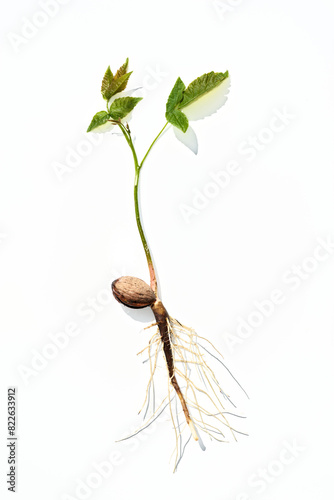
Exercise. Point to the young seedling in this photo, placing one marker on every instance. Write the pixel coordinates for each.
(200, 394)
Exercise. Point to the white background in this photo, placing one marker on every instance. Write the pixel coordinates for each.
(64, 241)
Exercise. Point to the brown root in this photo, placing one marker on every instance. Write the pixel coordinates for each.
(190, 378)
(162, 320)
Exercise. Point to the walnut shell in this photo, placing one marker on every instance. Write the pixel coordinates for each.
(133, 292)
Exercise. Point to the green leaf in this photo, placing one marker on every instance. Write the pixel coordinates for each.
(120, 72)
(175, 97)
(201, 86)
(173, 115)
(106, 84)
(122, 107)
(119, 84)
(111, 84)
(99, 119)
(178, 119)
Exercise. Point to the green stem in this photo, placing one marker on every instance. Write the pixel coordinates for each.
(127, 135)
(155, 140)
(153, 279)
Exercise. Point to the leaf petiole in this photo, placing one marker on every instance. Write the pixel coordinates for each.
(127, 135)
(151, 146)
